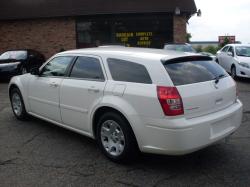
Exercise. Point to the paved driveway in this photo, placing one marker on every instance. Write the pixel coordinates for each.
(36, 153)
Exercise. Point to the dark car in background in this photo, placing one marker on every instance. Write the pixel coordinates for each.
(182, 47)
(16, 62)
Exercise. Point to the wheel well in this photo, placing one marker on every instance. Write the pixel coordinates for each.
(232, 66)
(99, 112)
(12, 87)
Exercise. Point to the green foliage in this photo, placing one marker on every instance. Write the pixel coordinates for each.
(199, 48)
(211, 49)
(226, 41)
(188, 37)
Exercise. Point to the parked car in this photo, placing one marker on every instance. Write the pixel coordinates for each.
(235, 59)
(209, 54)
(131, 99)
(17, 62)
(182, 47)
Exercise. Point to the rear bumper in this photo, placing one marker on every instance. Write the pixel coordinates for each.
(182, 136)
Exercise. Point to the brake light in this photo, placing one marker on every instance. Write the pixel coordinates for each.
(170, 101)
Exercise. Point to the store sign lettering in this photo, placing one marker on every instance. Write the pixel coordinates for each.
(143, 39)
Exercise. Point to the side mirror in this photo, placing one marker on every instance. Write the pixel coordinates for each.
(35, 71)
(230, 54)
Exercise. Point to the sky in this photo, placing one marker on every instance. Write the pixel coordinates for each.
(221, 17)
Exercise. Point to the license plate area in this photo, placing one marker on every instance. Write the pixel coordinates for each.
(221, 127)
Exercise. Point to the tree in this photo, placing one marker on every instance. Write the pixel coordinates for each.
(188, 37)
(210, 49)
(225, 42)
(199, 48)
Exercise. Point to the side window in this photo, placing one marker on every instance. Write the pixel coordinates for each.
(57, 67)
(5, 56)
(126, 71)
(87, 68)
(225, 49)
(231, 49)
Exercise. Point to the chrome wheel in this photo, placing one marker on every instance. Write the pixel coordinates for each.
(17, 104)
(112, 138)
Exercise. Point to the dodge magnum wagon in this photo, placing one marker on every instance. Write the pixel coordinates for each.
(132, 99)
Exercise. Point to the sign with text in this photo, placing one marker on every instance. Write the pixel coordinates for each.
(140, 39)
(230, 38)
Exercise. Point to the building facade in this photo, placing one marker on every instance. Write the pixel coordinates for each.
(49, 26)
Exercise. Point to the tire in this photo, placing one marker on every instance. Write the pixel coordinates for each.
(116, 138)
(17, 104)
(233, 72)
(23, 70)
(217, 61)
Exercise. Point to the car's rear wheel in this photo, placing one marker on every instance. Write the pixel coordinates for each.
(115, 138)
(233, 72)
(17, 104)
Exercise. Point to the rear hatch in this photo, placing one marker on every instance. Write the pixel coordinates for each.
(203, 85)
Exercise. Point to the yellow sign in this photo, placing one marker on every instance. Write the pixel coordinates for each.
(143, 39)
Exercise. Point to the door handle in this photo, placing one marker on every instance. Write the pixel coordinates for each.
(95, 90)
(53, 84)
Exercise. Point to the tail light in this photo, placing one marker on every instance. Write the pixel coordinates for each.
(170, 101)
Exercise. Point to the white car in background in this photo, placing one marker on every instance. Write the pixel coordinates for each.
(131, 99)
(235, 59)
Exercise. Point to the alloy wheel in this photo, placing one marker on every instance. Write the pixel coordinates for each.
(17, 104)
(112, 138)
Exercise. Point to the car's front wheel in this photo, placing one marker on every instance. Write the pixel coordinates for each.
(18, 104)
(115, 138)
(233, 72)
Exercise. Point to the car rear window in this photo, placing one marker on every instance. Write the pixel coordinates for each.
(189, 72)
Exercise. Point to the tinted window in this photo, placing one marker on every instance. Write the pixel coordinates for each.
(225, 49)
(193, 72)
(16, 55)
(122, 70)
(57, 66)
(87, 68)
(231, 50)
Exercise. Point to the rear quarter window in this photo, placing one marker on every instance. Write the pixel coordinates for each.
(126, 71)
(190, 72)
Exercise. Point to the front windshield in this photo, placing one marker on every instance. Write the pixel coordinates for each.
(243, 51)
(16, 55)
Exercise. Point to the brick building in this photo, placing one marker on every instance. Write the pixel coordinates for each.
(49, 26)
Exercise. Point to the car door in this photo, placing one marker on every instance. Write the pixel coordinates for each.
(43, 90)
(222, 56)
(228, 59)
(82, 91)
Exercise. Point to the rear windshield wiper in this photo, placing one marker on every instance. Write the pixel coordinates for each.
(217, 79)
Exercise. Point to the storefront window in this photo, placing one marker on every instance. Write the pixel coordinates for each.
(130, 30)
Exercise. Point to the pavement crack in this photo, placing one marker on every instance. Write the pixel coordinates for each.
(32, 138)
(127, 183)
(8, 162)
(159, 182)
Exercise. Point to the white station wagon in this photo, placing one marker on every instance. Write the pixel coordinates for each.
(132, 99)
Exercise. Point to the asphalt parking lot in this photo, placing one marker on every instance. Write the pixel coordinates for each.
(36, 153)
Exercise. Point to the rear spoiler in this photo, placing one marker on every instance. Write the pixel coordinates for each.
(186, 59)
